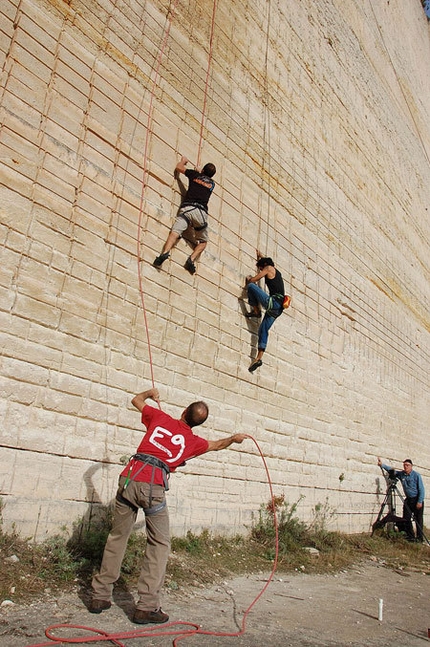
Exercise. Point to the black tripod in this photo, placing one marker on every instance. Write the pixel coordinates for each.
(390, 503)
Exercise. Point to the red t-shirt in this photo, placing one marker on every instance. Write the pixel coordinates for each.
(168, 439)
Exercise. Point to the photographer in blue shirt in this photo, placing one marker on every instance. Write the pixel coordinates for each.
(413, 504)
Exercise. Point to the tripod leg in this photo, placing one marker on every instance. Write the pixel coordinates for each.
(391, 517)
(379, 523)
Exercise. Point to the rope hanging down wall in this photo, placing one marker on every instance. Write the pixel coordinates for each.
(155, 82)
(401, 85)
(145, 176)
(266, 169)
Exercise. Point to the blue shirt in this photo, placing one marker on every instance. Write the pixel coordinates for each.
(413, 485)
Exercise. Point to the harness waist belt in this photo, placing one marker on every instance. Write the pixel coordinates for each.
(147, 459)
(194, 204)
(272, 311)
(152, 460)
(278, 297)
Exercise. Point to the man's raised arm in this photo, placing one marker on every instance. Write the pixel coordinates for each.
(139, 399)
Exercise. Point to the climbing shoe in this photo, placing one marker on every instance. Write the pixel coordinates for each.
(160, 259)
(251, 315)
(255, 365)
(190, 266)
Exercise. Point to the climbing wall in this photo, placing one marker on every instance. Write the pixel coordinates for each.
(317, 116)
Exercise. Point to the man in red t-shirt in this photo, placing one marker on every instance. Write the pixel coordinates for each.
(166, 445)
(192, 220)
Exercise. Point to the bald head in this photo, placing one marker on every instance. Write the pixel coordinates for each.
(195, 414)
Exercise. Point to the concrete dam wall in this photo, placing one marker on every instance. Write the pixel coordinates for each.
(317, 117)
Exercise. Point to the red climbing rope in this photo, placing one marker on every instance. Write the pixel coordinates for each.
(145, 175)
(146, 149)
(167, 629)
(205, 95)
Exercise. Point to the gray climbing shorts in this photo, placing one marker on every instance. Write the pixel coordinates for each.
(191, 224)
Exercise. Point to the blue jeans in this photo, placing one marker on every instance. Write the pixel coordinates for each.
(257, 296)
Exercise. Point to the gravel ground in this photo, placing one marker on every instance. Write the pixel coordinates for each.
(297, 610)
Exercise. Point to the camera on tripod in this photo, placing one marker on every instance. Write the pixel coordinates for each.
(392, 477)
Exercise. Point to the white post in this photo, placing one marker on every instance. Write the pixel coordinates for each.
(380, 607)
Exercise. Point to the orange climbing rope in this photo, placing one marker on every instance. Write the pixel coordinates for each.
(266, 171)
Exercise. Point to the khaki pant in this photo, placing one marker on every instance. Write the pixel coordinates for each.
(157, 547)
(192, 226)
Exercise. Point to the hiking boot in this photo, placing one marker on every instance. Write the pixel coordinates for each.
(160, 259)
(97, 606)
(145, 617)
(190, 266)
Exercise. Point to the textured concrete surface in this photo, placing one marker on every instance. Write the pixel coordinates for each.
(317, 118)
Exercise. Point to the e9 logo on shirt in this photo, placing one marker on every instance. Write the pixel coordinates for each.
(165, 441)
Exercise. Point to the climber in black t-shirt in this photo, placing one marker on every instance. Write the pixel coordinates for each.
(274, 302)
(191, 220)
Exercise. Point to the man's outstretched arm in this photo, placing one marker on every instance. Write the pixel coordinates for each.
(216, 445)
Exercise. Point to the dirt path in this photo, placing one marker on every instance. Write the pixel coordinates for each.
(296, 610)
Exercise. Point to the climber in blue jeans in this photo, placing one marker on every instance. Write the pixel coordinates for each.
(274, 302)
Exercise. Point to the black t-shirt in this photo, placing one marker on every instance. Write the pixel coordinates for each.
(275, 285)
(200, 188)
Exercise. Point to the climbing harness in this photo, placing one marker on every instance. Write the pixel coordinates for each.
(188, 208)
(280, 300)
(147, 459)
(194, 205)
(156, 463)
